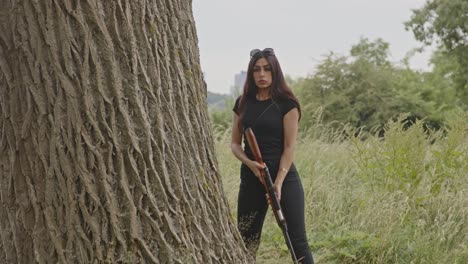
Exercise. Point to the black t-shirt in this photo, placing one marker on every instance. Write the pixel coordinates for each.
(266, 120)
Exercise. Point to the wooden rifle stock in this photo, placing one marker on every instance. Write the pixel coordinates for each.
(268, 185)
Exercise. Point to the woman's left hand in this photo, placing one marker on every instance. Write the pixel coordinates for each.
(277, 187)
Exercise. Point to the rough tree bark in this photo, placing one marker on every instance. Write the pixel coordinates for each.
(106, 153)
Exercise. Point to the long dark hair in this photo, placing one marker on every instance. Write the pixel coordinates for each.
(279, 89)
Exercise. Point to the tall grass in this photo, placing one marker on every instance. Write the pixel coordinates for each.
(402, 198)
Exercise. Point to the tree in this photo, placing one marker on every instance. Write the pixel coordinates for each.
(356, 90)
(445, 23)
(366, 90)
(373, 52)
(106, 153)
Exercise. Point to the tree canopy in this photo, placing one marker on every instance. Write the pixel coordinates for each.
(445, 23)
(365, 89)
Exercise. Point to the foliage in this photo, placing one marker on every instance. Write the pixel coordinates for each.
(375, 53)
(356, 90)
(445, 22)
(396, 161)
(221, 119)
(346, 246)
(401, 198)
(445, 19)
(451, 156)
(365, 90)
(426, 95)
(400, 161)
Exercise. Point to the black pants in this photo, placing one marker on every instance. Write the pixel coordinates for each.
(252, 207)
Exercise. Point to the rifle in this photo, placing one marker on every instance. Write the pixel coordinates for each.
(268, 184)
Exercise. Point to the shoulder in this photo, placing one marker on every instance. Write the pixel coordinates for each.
(287, 105)
(236, 105)
(238, 99)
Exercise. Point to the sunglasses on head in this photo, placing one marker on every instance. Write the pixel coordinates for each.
(266, 51)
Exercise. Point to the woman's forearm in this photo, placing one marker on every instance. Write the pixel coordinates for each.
(239, 153)
(285, 164)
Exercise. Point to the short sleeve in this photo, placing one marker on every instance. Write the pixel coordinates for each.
(236, 106)
(287, 106)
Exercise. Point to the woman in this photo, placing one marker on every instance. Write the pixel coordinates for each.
(268, 106)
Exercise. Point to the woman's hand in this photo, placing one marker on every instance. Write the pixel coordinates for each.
(256, 168)
(277, 187)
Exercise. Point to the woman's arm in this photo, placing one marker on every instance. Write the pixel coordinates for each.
(290, 127)
(236, 147)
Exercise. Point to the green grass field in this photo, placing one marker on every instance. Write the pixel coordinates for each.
(398, 199)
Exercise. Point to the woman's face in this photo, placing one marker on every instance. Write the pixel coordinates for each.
(262, 74)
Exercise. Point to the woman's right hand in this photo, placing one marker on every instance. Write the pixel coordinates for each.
(256, 168)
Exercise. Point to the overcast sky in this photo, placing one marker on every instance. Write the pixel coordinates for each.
(300, 31)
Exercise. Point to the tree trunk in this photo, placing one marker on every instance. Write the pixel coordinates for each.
(106, 152)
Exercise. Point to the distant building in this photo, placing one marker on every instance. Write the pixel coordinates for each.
(239, 80)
